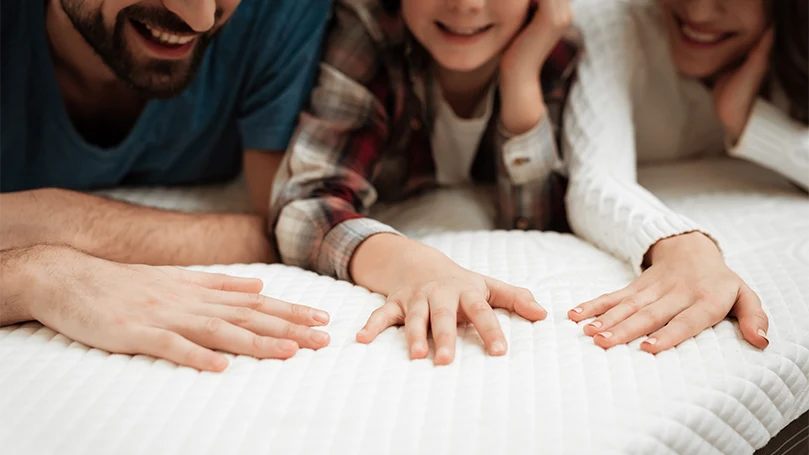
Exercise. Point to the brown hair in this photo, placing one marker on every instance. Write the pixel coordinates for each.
(790, 54)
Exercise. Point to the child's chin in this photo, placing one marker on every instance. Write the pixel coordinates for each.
(460, 65)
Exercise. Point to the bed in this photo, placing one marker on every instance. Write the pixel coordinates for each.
(555, 392)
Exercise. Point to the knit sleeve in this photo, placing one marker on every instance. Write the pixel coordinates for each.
(605, 204)
(775, 141)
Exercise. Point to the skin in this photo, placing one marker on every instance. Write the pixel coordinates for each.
(688, 286)
(82, 263)
(424, 288)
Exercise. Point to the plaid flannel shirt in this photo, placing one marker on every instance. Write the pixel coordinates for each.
(365, 136)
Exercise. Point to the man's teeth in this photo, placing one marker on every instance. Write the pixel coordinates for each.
(700, 37)
(168, 38)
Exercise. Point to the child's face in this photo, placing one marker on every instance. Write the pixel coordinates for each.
(464, 35)
(707, 36)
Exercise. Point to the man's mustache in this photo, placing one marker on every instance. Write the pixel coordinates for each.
(162, 18)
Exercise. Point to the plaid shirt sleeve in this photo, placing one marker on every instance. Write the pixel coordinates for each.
(323, 188)
(527, 191)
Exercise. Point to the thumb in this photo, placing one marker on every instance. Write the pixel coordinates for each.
(514, 299)
(753, 320)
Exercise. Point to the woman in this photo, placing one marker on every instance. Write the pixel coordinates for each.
(667, 80)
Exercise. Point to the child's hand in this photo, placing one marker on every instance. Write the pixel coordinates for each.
(687, 289)
(735, 92)
(522, 62)
(439, 293)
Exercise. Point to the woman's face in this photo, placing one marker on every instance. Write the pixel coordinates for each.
(464, 35)
(708, 36)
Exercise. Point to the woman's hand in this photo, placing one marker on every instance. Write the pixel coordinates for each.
(437, 292)
(736, 92)
(687, 289)
(522, 62)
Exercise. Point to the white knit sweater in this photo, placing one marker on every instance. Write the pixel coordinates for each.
(631, 106)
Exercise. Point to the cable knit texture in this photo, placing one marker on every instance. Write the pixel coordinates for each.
(630, 107)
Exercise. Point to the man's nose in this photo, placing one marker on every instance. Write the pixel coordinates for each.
(200, 15)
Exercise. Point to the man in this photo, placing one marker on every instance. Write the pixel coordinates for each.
(100, 93)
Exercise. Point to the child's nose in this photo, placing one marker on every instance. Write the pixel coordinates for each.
(702, 11)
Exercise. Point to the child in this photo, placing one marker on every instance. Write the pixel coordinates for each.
(676, 79)
(413, 95)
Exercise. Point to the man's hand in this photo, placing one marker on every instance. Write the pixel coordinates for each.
(426, 288)
(736, 92)
(165, 312)
(688, 289)
(523, 106)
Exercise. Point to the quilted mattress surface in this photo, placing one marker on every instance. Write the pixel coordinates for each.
(554, 392)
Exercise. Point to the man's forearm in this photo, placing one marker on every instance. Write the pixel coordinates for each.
(15, 279)
(129, 233)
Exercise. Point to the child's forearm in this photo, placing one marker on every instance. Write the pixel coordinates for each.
(522, 104)
(384, 260)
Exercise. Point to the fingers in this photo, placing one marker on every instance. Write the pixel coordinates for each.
(217, 281)
(416, 322)
(685, 325)
(266, 325)
(625, 308)
(221, 335)
(387, 315)
(645, 321)
(514, 299)
(753, 320)
(598, 306)
(482, 316)
(759, 56)
(297, 314)
(168, 345)
(444, 324)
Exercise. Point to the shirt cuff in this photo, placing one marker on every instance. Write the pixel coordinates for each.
(342, 241)
(775, 141)
(659, 229)
(531, 155)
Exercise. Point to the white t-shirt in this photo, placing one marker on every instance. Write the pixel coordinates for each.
(455, 140)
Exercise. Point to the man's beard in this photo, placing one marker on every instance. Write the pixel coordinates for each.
(152, 78)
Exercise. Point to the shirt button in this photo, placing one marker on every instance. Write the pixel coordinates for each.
(520, 161)
(415, 124)
(521, 223)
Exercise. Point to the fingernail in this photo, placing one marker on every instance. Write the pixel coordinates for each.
(606, 335)
(578, 310)
(221, 363)
(763, 334)
(319, 337)
(363, 332)
(417, 350)
(536, 304)
(498, 348)
(596, 324)
(651, 341)
(443, 353)
(320, 316)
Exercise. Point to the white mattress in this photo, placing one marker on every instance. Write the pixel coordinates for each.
(555, 391)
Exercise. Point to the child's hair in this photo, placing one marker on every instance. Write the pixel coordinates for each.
(790, 54)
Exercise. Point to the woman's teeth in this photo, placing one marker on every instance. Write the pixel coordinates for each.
(701, 37)
(168, 38)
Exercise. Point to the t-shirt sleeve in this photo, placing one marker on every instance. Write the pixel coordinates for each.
(282, 70)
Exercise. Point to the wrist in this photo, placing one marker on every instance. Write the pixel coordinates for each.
(693, 245)
(383, 261)
(22, 282)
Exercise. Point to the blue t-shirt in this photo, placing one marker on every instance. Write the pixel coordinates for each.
(255, 77)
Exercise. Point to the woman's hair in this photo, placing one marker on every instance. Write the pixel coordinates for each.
(790, 54)
(391, 6)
